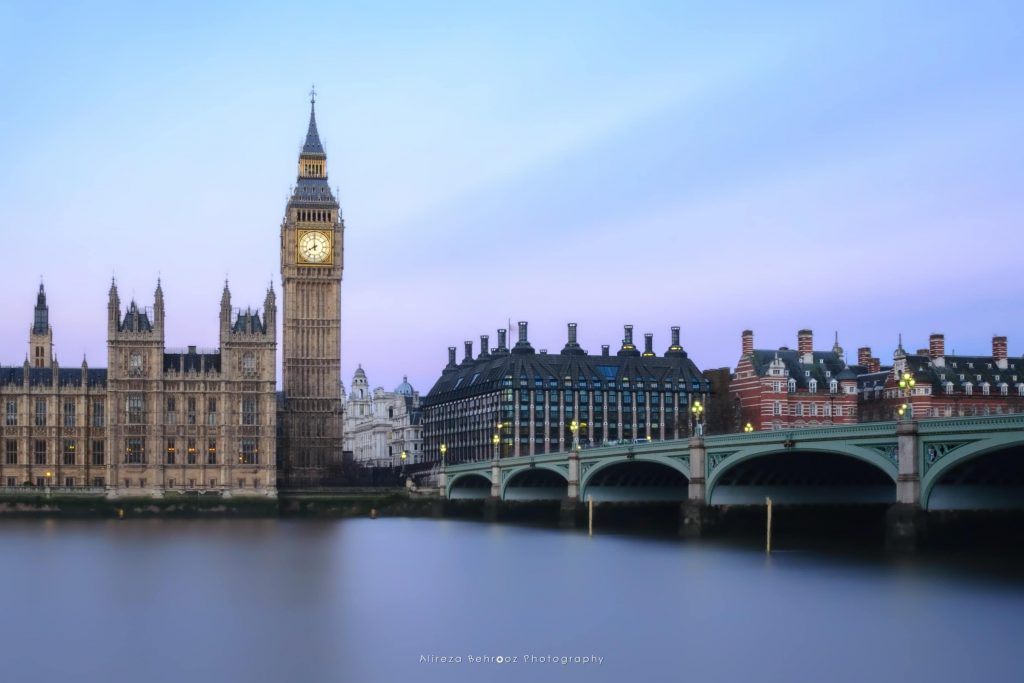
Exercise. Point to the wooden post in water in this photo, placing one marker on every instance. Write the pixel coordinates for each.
(590, 515)
(768, 540)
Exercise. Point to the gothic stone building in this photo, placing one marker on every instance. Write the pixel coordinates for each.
(530, 399)
(158, 420)
(155, 420)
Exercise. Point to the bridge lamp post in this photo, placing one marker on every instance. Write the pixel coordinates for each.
(907, 389)
(444, 449)
(747, 428)
(496, 440)
(697, 409)
(403, 456)
(574, 427)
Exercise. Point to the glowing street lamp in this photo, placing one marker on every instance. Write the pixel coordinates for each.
(496, 440)
(748, 428)
(444, 449)
(907, 388)
(697, 409)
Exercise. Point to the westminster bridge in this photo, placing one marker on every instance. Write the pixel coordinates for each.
(938, 464)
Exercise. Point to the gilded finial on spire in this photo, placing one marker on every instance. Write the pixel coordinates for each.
(312, 95)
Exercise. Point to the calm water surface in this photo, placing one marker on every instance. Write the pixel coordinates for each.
(365, 600)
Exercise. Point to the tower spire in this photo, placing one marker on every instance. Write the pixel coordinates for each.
(312, 146)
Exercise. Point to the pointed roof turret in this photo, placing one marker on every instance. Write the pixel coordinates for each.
(41, 321)
(312, 146)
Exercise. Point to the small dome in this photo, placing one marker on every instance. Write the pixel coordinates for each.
(360, 373)
(405, 389)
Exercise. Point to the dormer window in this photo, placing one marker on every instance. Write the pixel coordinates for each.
(807, 373)
(1004, 389)
(828, 373)
(812, 386)
(833, 386)
(968, 387)
(948, 387)
(792, 385)
(985, 388)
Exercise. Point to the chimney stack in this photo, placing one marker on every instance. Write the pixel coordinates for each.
(748, 342)
(501, 340)
(864, 356)
(451, 356)
(572, 334)
(469, 352)
(805, 341)
(627, 340)
(675, 338)
(648, 344)
(875, 365)
(999, 354)
(522, 332)
(936, 346)
(484, 345)
(805, 346)
(605, 350)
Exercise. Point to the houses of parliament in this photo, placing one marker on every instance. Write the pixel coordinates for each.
(159, 420)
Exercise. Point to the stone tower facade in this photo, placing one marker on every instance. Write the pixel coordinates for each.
(312, 236)
(40, 336)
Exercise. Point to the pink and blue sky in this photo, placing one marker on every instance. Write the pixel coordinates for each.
(718, 166)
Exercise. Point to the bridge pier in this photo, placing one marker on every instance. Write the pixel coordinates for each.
(495, 479)
(492, 505)
(569, 512)
(696, 518)
(905, 527)
(908, 483)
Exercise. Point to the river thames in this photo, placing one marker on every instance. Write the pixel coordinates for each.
(364, 600)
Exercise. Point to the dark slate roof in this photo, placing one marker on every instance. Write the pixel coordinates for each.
(44, 376)
(314, 191)
(824, 361)
(312, 146)
(975, 369)
(484, 374)
(249, 322)
(136, 320)
(192, 361)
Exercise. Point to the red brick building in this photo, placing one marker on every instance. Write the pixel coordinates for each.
(944, 385)
(790, 389)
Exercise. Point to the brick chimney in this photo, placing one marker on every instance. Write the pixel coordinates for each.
(451, 356)
(627, 339)
(864, 356)
(484, 345)
(648, 344)
(999, 352)
(501, 341)
(605, 350)
(805, 345)
(469, 352)
(748, 342)
(875, 365)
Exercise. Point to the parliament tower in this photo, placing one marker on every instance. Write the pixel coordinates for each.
(312, 237)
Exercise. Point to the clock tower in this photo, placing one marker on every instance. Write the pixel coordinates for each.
(312, 236)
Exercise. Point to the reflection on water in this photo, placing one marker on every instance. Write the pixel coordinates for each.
(362, 600)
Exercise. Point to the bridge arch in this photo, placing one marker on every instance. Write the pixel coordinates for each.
(594, 471)
(885, 470)
(961, 455)
(469, 485)
(526, 471)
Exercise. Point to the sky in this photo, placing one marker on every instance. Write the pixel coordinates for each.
(846, 167)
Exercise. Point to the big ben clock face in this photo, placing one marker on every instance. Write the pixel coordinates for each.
(314, 247)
